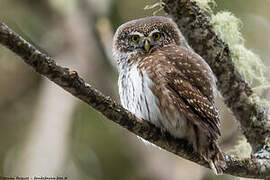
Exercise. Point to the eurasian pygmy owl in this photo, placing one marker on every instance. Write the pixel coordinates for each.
(172, 87)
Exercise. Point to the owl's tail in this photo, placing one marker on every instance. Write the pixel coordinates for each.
(216, 159)
(209, 150)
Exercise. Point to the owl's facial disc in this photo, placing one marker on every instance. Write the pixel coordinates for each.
(145, 35)
(145, 42)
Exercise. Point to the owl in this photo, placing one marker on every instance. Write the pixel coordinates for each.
(168, 85)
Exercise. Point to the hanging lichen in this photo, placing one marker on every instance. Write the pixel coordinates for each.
(206, 5)
(248, 63)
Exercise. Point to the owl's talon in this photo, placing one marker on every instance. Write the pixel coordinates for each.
(163, 131)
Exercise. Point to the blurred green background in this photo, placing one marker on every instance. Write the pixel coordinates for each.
(44, 131)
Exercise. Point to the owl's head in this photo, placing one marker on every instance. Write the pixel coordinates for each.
(145, 35)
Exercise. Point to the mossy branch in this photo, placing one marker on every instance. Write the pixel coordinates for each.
(74, 84)
(238, 95)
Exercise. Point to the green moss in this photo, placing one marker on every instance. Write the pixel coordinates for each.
(206, 5)
(158, 5)
(227, 28)
(254, 99)
(247, 63)
(267, 141)
(242, 149)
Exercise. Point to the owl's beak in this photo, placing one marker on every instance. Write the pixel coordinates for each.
(146, 45)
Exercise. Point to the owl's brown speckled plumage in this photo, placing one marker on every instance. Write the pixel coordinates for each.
(168, 85)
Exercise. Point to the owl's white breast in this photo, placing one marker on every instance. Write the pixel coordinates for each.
(137, 97)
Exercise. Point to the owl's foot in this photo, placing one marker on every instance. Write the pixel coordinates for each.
(164, 134)
(214, 156)
(163, 131)
(208, 150)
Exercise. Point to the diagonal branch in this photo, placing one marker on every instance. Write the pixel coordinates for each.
(198, 31)
(71, 82)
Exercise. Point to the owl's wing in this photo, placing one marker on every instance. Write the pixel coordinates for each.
(193, 85)
(198, 109)
(192, 68)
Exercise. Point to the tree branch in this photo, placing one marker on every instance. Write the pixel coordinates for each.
(198, 31)
(71, 82)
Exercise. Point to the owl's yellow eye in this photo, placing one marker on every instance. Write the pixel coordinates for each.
(135, 38)
(156, 36)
